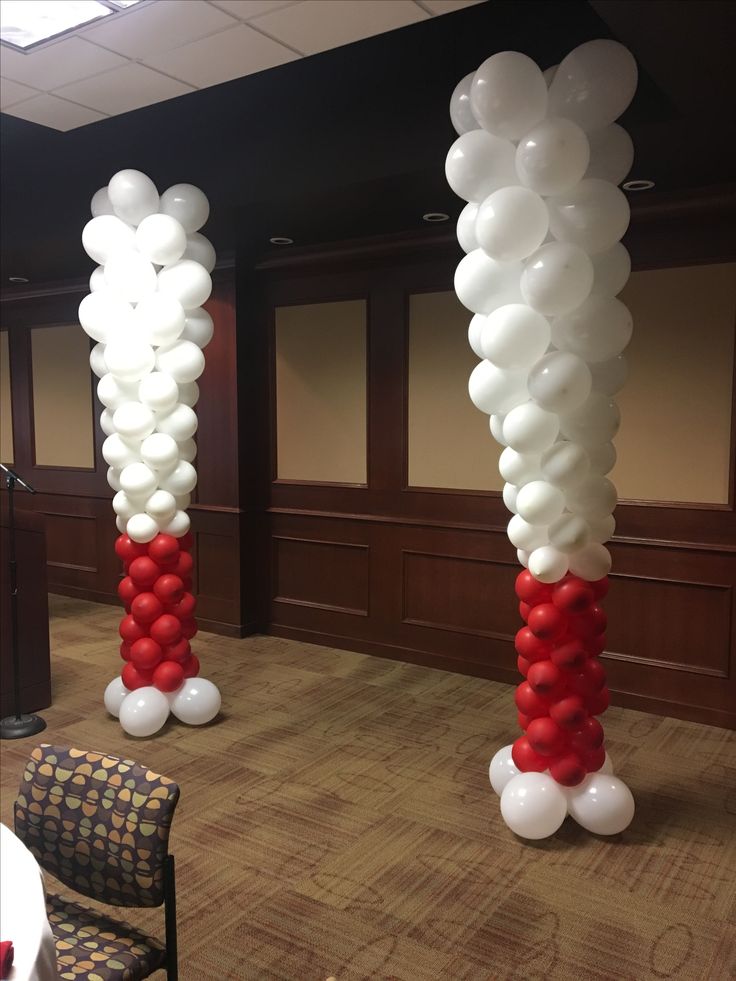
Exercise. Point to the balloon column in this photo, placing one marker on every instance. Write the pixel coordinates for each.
(145, 313)
(538, 160)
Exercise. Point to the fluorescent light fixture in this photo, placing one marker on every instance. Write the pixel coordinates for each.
(123, 3)
(24, 23)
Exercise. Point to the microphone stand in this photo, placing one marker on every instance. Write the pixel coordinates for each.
(16, 726)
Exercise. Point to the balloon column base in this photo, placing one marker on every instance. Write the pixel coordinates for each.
(534, 805)
(144, 712)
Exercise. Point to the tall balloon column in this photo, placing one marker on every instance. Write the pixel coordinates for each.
(538, 160)
(145, 312)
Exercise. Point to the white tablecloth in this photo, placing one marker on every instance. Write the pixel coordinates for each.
(23, 912)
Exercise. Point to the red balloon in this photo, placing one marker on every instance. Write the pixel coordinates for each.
(168, 676)
(570, 655)
(569, 770)
(600, 587)
(169, 588)
(186, 542)
(590, 679)
(144, 571)
(594, 759)
(599, 702)
(185, 608)
(523, 665)
(596, 645)
(133, 678)
(125, 650)
(523, 720)
(569, 712)
(146, 608)
(545, 736)
(179, 651)
(127, 550)
(166, 630)
(145, 654)
(590, 624)
(130, 630)
(531, 647)
(163, 548)
(589, 736)
(526, 759)
(544, 677)
(524, 611)
(191, 666)
(184, 565)
(127, 590)
(528, 702)
(573, 595)
(547, 623)
(530, 590)
(189, 628)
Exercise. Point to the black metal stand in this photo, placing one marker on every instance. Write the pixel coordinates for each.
(16, 726)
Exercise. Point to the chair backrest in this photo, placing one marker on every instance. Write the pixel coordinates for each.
(98, 823)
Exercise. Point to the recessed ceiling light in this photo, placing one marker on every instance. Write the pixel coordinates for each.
(26, 23)
(640, 185)
(432, 216)
(18, 279)
(281, 240)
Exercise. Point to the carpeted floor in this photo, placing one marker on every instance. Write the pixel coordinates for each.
(337, 820)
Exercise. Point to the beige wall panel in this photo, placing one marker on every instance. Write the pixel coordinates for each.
(450, 444)
(62, 397)
(6, 408)
(675, 434)
(321, 392)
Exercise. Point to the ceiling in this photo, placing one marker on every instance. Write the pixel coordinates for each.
(352, 141)
(161, 49)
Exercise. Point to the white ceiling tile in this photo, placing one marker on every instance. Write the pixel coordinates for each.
(56, 113)
(13, 92)
(124, 89)
(448, 6)
(245, 9)
(158, 26)
(318, 25)
(66, 61)
(223, 56)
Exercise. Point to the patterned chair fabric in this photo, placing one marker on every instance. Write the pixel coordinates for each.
(98, 823)
(91, 947)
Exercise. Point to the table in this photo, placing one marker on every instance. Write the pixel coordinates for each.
(23, 912)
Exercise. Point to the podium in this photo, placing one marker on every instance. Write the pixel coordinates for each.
(33, 612)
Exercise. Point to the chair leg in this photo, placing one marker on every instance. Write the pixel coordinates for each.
(172, 967)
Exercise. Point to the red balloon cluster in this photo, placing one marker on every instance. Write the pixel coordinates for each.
(565, 683)
(159, 608)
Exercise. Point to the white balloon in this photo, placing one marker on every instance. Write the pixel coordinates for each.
(178, 526)
(549, 73)
(198, 327)
(602, 457)
(132, 195)
(161, 239)
(602, 804)
(100, 203)
(130, 275)
(594, 215)
(183, 501)
(201, 250)
(187, 449)
(181, 422)
(556, 278)
(508, 94)
(142, 527)
(511, 224)
(117, 453)
(603, 530)
(496, 425)
(189, 393)
(594, 84)
(475, 330)
(493, 389)
(181, 480)
(565, 464)
(121, 524)
(183, 360)
(158, 391)
(106, 423)
(514, 336)
(523, 557)
(569, 533)
(524, 535)
(97, 360)
(510, 493)
(595, 421)
(104, 316)
(113, 478)
(553, 156)
(610, 376)
(186, 281)
(134, 421)
(560, 382)
(104, 235)
(160, 451)
(144, 711)
(188, 205)
(519, 468)
(592, 562)
(97, 279)
(594, 497)
(533, 805)
(547, 564)
(466, 227)
(611, 270)
(502, 769)
(611, 154)
(478, 164)
(540, 503)
(159, 319)
(598, 330)
(528, 428)
(482, 284)
(461, 114)
(197, 702)
(138, 480)
(129, 359)
(124, 506)
(116, 691)
(161, 506)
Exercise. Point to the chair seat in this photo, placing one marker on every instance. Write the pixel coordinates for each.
(93, 947)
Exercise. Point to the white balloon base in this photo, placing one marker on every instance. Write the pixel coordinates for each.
(534, 805)
(144, 711)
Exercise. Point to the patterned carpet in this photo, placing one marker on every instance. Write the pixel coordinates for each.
(337, 821)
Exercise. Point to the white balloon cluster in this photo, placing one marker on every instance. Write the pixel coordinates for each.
(538, 167)
(144, 711)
